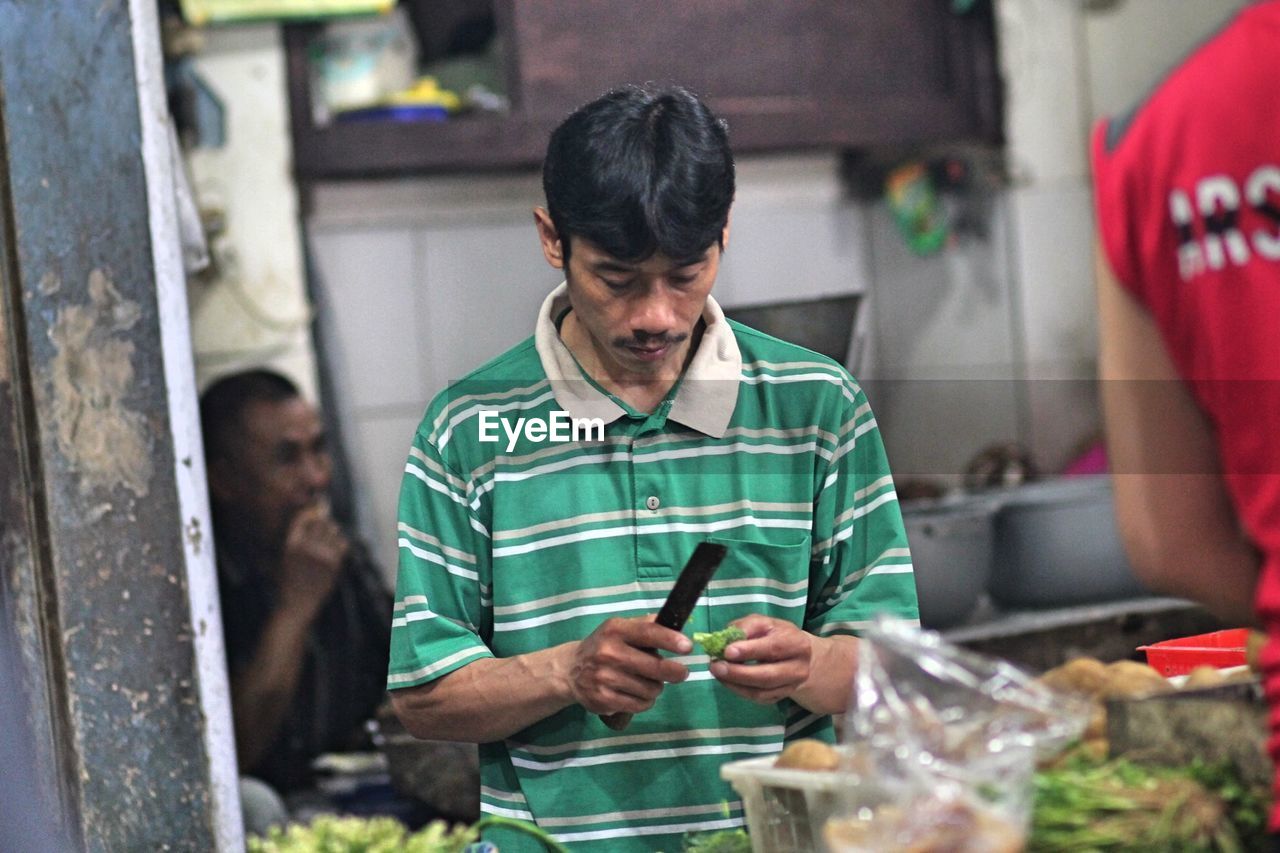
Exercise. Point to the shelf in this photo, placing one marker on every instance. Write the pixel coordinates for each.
(806, 75)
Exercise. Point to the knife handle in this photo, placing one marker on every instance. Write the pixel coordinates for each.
(618, 721)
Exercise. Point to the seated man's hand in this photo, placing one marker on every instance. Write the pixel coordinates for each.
(314, 549)
(771, 664)
(614, 670)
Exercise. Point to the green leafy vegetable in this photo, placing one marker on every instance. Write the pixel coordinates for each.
(333, 834)
(715, 642)
(1118, 805)
(725, 841)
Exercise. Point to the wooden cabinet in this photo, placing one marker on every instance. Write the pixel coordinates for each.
(788, 74)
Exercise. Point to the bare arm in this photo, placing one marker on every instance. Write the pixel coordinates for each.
(491, 699)
(829, 686)
(262, 690)
(1172, 508)
(780, 661)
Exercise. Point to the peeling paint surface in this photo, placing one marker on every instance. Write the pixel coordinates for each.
(92, 372)
(109, 583)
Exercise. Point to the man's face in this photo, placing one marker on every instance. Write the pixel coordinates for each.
(276, 465)
(640, 316)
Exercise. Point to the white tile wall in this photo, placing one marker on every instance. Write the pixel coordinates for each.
(370, 281)
(944, 315)
(1053, 240)
(795, 251)
(793, 235)
(1133, 44)
(932, 428)
(378, 442)
(1042, 63)
(1057, 315)
(944, 384)
(484, 285)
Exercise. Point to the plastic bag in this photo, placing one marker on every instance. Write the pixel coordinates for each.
(947, 743)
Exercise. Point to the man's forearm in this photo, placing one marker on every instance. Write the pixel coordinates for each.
(489, 699)
(263, 689)
(1173, 509)
(831, 668)
(1197, 551)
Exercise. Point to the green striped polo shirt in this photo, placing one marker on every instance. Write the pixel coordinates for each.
(511, 542)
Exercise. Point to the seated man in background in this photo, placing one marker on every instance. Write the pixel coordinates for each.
(306, 615)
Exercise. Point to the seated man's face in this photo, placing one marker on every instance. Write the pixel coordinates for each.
(277, 465)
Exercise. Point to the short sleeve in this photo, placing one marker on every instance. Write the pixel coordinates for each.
(442, 608)
(861, 562)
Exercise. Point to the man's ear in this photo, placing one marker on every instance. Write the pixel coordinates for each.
(552, 249)
(724, 235)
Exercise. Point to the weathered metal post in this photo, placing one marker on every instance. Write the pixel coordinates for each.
(107, 576)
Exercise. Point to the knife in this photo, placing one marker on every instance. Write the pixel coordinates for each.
(675, 611)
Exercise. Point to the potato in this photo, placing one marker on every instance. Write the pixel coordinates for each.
(809, 754)
(1097, 722)
(1127, 679)
(1203, 676)
(1096, 749)
(1253, 649)
(1240, 676)
(1087, 676)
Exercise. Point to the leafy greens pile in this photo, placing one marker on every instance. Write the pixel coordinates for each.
(333, 834)
(1084, 805)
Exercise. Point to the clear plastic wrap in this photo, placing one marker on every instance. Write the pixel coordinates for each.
(946, 742)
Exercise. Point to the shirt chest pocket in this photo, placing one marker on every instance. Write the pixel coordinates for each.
(759, 578)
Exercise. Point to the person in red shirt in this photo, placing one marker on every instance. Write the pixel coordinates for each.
(1187, 188)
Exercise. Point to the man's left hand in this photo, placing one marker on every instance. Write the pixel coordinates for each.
(770, 665)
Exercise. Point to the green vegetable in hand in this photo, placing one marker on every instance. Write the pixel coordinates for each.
(715, 642)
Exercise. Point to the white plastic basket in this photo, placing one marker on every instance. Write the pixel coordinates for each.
(787, 809)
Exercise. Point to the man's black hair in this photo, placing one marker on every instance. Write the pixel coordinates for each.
(224, 402)
(641, 171)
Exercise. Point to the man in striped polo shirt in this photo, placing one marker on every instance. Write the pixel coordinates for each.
(552, 495)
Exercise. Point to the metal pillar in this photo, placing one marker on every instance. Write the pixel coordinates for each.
(107, 575)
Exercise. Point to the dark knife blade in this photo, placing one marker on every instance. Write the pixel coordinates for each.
(693, 579)
(680, 602)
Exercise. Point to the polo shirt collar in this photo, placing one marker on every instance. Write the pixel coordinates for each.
(708, 390)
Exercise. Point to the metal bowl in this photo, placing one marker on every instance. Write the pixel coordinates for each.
(951, 552)
(1056, 545)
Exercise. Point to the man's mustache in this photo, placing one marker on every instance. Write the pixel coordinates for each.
(651, 341)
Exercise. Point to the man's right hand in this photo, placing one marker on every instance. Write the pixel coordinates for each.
(614, 670)
(314, 550)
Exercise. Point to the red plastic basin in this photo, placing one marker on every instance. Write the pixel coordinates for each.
(1183, 654)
